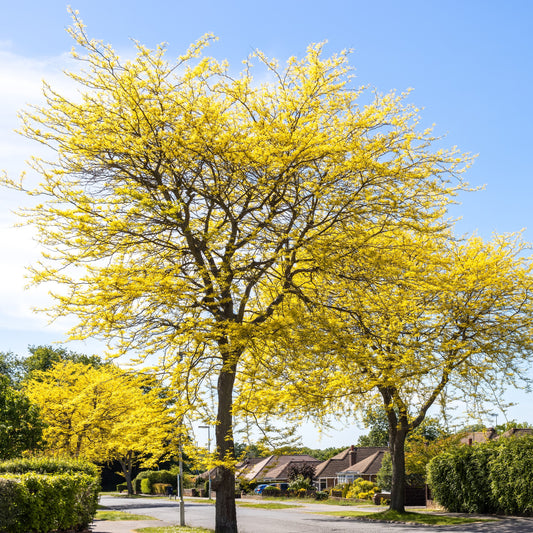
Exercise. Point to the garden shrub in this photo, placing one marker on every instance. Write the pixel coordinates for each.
(271, 491)
(494, 477)
(511, 475)
(460, 479)
(153, 477)
(362, 489)
(300, 482)
(384, 477)
(146, 486)
(48, 465)
(14, 505)
(160, 488)
(47, 502)
(321, 495)
(122, 486)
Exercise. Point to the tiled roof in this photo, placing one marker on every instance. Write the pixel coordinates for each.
(517, 432)
(368, 466)
(341, 461)
(479, 436)
(272, 467)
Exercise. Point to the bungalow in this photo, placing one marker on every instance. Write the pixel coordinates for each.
(272, 469)
(327, 472)
(476, 437)
(367, 469)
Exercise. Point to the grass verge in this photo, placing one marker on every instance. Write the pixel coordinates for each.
(174, 529)
(341, 502)
(107, 514)
(410, 518)
(270, 505)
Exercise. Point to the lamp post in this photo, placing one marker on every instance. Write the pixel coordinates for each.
(209, 451)
(180, 484)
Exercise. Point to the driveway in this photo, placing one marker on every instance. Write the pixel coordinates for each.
(302, 519)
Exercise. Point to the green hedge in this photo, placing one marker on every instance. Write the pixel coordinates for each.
(41, 501)
(512, 476)
(14, 506)
(271, 491)
(46, 502)
(495, 477)
(145, 480)
(48, 465)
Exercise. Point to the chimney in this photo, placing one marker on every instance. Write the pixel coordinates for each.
(353, 455)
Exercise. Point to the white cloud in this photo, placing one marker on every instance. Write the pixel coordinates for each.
(21, 85)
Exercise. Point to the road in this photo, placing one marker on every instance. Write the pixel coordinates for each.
(294, 520)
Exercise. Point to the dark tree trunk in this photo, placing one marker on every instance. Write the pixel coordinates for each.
(397, 452)
(398, 430)
(126, 465)
(226, 513)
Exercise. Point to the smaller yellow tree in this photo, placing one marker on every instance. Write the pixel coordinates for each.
(420, 320)
(102, 414)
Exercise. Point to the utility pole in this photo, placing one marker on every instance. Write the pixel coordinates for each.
(180, 485)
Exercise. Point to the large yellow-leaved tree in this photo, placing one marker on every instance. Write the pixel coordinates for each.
(415, 320)
(103, 414)
(181, 200)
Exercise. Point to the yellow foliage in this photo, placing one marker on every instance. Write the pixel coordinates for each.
(185, 204)
(102, 414)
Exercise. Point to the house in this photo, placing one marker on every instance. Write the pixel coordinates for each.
(367, 468)
(272, 469)
(476, 437)
(517, 432)
(327, 472)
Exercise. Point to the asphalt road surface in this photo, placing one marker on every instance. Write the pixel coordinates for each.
(294, 520)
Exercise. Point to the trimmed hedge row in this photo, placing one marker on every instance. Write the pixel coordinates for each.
(43, 502)
(145, 480)
(495, 477)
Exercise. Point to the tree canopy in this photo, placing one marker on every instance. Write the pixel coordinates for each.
(182, 200)
(21, 426)
(102, 414)
(423, 318)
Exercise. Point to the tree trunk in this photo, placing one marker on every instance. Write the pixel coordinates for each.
(126, 465)
(226, 513)
(397, 452)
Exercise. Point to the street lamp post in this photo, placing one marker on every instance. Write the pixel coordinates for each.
(209, 451)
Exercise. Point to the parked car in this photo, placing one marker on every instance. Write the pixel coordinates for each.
(260, 488)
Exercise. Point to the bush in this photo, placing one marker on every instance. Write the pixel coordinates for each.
(460, 479)
(153, 477)
(14, 505)
(362, 490)
(384, 477)
(511, 476)
(41, 494)
(46, 502)
(122, 486)
(48, 465)
(495, 477)
(300, 482)
(243, 485)
(271, 491)
(321, 495)
(161, 488)
(146, 486)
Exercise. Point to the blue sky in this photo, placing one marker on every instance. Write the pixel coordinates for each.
(469, 63)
